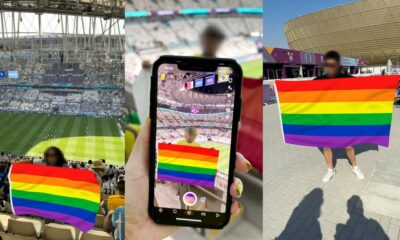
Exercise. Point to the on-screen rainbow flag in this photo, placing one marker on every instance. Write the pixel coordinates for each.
(63, 194)
(338, 112)
(187, 164)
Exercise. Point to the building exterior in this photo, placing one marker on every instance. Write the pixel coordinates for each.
(280, 63)
(367, 29)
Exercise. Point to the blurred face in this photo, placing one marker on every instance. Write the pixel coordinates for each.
(51, 157)
(332, 68)
(190, 137)
(210, 46)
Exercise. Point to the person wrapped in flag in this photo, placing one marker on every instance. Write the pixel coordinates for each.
(338, 113)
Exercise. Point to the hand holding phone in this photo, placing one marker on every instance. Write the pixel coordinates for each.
(138, 223)
(195, 111)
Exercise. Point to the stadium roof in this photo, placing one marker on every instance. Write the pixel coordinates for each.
(367, 29)
(98, 8)
(69, 25)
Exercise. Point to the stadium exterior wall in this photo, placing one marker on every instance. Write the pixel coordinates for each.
(368, 29)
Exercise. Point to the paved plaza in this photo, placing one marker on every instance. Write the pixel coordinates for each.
(297, 205)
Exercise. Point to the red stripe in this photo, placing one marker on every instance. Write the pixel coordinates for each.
(188, 149)
(375, 82)
(59, 172)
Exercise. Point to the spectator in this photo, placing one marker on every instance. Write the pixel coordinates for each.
(117, 200)
(107, 187)
(115, 222)
(334, 69)
(53, 156)
(211, 40)
(190, 137)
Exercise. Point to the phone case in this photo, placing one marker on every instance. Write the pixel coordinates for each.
(193, 61)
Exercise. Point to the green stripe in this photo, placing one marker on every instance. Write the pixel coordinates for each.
(338, 119)
(174, 167)
(65, 201)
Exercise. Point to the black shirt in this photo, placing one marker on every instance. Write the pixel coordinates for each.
(341, 75)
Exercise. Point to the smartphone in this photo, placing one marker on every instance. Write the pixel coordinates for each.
(195, 112)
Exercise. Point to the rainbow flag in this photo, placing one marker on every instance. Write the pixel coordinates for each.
(63, 194)
(187, 164)
(337, 113)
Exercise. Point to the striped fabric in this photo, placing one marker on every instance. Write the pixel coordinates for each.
(338, 112)
(62, 194)
(187, 164)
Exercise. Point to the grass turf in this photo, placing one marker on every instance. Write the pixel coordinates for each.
(223, 160)
(80, 138)
(252, 69)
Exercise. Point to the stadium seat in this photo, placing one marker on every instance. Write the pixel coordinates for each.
(8, 208)
(25, 227)
(53, 231)
(96, 235)
(8, 236)
(4, 222)
(99, 221)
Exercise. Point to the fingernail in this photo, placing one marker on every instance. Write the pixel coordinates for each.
(249, 166)
(148, 120)
(239, 189)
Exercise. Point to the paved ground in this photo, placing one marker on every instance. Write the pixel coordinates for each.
(297, 205)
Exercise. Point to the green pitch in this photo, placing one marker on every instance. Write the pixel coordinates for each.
(223, 160)
(80, 138)
(252, 69)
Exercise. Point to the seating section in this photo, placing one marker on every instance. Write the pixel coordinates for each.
(139, 5)
(210, 127)
(27, 228)
(99, 102)
(74, 74)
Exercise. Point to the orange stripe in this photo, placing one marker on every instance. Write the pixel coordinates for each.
(53, 181)
(374, 95)
(193, 156)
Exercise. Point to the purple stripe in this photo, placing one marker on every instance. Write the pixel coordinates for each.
(335, 142)
(201, 183)
(83, 225)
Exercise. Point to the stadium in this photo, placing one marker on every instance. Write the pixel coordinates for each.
(170, 27)
(61, 97)
(61, 80)
(366, 29)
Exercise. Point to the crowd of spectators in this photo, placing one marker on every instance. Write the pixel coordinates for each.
(99, 102)
(84, 74)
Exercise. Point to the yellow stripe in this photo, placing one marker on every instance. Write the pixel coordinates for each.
(187, 162)
(337, 107)
(56, 190)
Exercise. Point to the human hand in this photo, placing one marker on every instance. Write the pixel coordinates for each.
(138, 223)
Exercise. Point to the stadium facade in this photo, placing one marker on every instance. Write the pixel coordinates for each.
(367, 29)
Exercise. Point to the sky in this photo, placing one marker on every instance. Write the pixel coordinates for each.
(278, 12)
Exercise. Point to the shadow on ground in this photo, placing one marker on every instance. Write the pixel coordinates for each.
(304, 224)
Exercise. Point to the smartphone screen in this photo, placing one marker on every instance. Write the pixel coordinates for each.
(193, 140)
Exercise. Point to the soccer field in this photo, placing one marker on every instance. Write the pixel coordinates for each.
(223, 160)
(80, 138)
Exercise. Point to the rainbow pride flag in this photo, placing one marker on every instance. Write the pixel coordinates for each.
(187, 164)
(337, 113)
(63, 194)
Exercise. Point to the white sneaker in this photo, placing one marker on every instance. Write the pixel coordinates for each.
(356, 170)
(329, 174)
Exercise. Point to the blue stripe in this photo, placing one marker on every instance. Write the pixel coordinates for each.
(76, 212)
(196, 176)
(337, 130)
